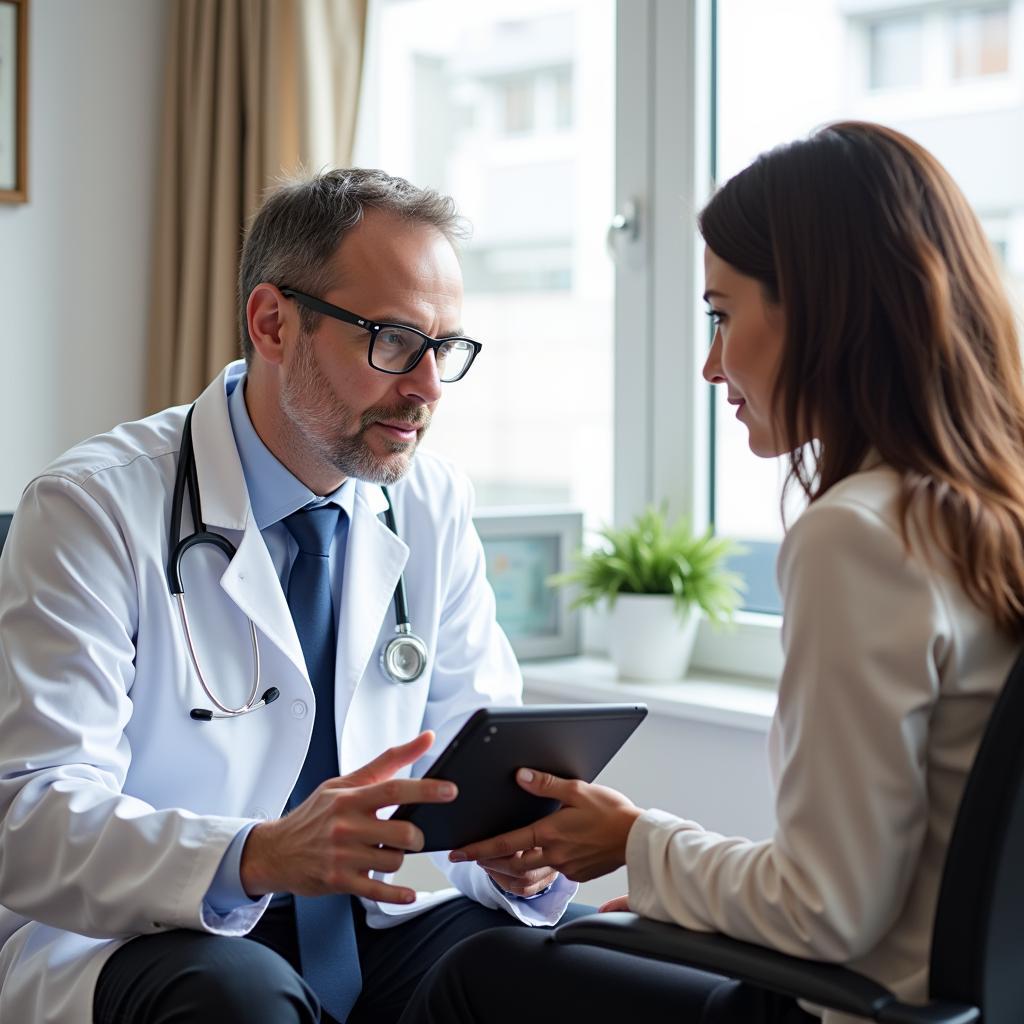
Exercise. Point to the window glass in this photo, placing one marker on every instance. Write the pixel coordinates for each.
(516, 98)
(981, 42)
(895, 52)
(508, 106)
(784, 69)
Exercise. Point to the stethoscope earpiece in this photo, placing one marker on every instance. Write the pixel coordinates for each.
(206, 715)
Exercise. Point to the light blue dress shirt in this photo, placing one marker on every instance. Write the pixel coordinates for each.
(274, 493)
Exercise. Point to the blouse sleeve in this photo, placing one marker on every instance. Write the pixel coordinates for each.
(864, 635)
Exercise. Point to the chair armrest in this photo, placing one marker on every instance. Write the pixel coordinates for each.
(938, 1012)
(821, 983)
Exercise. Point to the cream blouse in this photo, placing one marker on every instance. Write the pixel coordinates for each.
(890, 675)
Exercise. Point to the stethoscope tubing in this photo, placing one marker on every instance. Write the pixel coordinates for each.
(251, 701)
(187, 478)
(402, 621)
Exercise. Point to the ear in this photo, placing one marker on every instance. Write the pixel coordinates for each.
(270, 319)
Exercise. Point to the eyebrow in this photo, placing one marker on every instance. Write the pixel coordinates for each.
(401, 322)
(712, 294)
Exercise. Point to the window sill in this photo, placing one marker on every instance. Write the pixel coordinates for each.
(739, 702)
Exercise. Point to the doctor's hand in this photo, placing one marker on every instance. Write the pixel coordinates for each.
(512, 875)
(333, 840)
(584, 839)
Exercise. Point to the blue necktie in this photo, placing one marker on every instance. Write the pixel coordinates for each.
(327, 938)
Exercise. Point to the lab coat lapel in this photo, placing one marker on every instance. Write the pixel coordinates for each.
(250, 579)
(374, 560)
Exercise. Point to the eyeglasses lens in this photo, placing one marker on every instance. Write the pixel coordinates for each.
(395, 350)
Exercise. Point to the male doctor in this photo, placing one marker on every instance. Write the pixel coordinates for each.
(231, 866)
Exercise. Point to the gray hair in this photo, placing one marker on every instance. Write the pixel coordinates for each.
(301, 223)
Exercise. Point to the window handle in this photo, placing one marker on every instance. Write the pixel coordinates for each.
(625, 224)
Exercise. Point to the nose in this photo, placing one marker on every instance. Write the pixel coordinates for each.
(712, 371)
(422, 383)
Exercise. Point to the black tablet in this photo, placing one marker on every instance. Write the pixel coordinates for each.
(574, 741)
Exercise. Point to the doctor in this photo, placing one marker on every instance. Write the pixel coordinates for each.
(150, 744)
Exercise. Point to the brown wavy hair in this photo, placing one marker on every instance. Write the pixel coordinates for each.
(900, 338)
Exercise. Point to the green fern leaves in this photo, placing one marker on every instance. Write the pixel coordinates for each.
(652, 556)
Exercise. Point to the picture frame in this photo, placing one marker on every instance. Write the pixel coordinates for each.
(14, 101)
(522, 548)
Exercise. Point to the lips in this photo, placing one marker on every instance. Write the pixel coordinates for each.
(399, 430)
(394, 425)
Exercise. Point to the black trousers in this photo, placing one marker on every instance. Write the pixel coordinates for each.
(190, 977)
(512, 976)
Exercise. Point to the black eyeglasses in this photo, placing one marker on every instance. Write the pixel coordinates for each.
(397, 348)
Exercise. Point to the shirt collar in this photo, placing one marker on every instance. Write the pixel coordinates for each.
(274, 491)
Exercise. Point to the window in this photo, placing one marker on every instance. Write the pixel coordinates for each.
(562, 83)
(508, 106)
(895, 53)
(546, 117)
(778, 78)
(516, 98)
(981, 41)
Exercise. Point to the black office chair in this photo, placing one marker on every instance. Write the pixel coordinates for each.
(977, 959)
(5, 525)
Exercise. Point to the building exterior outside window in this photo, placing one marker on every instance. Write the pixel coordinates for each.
(509, 107)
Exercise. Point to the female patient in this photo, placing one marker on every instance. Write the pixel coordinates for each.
(861, 330)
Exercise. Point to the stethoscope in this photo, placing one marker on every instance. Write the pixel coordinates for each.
(403, 658)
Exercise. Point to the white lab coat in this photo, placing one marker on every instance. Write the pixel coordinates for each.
(115, 806)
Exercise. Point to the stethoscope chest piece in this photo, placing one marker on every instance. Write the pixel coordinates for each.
(404, 657)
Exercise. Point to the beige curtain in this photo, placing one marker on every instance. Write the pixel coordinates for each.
(253, 90)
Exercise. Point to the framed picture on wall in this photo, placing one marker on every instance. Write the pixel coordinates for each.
(522, 549)
(14, 101)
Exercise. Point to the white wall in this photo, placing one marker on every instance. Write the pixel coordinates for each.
(74, 261)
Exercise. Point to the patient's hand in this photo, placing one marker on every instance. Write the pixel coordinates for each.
(619, 903)
(586, 838)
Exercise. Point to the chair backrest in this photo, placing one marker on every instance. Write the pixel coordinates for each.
(5, 525)
(978, 939)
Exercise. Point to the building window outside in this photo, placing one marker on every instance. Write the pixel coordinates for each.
(895, 53)
(562, 82)
(981, 41)
(517, 105)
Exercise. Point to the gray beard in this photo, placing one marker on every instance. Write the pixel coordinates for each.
(314, 411)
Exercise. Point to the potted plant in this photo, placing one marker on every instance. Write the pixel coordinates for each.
(656, 578)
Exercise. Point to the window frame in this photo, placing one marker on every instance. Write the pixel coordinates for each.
(664, 144)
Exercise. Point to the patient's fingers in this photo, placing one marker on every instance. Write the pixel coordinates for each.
(551, 786)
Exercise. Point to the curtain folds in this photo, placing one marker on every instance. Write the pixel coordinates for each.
(253, 90)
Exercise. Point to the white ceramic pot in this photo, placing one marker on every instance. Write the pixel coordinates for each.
(647, 639)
